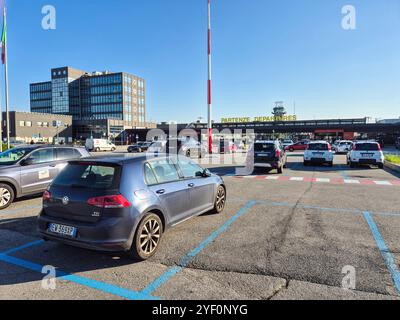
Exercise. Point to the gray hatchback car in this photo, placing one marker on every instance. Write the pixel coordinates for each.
(126, 203)
(28, 170)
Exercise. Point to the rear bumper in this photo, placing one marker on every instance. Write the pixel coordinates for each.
(318, 160)
(109, 234)
(368, 161)
(267, 164)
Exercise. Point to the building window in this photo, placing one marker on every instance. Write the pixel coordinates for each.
(39, 124)
(28, 123)
(22, 123)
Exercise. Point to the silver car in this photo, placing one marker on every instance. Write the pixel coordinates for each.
(126, 203)
(28, 170)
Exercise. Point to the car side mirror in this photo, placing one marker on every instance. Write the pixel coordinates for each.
(27, 162)
(203, 174)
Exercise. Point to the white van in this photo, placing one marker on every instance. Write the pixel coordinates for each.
(98, 145)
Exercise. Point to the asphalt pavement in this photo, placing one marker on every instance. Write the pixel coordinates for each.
(293, 236)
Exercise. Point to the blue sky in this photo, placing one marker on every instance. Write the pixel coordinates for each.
(263, 51)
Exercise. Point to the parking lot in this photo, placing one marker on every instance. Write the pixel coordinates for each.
(284, 236)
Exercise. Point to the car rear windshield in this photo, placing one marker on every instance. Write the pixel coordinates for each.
(264, 147)
(367, 147)
(89, 176)
(318, 146)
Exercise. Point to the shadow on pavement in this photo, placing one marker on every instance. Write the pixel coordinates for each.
(65, 258)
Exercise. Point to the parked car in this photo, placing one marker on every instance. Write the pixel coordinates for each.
(139, 147)
(299, 146)
(366, 153)
(343, 147)
(182, 146)
(318, 152)
(95, 203)
(267, 154)
(287, 143)
(227, 147)
(28, 170)
(98, 145)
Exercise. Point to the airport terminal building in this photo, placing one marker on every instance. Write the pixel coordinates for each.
(330, 129)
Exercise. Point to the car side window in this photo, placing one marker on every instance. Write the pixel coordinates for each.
(66, 154)
(165, 171)
(42, 156)
(149, 175)
(188, 168)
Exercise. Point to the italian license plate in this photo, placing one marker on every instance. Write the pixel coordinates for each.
(263, 155)
(62, 230)
(318, 153)
(367, 155)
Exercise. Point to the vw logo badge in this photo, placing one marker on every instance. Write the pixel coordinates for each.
(65, 201)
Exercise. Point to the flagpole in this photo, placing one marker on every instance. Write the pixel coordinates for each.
(209, 83)
(6, 81)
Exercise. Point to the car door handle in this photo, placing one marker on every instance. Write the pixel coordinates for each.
(191, 185)
(162, 191)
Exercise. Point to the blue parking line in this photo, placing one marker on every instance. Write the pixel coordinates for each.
(13, 211)
(94, 284)
(25, 246)
(385, 252)
(192, 254)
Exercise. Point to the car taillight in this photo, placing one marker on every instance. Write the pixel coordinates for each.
(46, 196)
(278, 153)
(109, 202)
(379, 147)
(329, 147)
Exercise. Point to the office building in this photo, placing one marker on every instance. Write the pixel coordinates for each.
(102, 104)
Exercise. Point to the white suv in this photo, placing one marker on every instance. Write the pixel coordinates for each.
(344, 147)
(367, 152)
(318, 152)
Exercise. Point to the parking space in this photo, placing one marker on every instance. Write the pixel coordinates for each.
(278, 238)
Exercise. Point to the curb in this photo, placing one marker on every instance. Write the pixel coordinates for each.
(392, 166)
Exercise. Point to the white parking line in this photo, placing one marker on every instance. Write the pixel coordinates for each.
(383, 183)
(297, 179)
(323, 180)
(249, 177)
(349, 181)
(272, 178)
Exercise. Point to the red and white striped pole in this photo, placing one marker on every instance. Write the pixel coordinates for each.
(210, 130)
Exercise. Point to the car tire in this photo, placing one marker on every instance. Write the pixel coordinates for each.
(291, 150)
(150, 229)
(380, 166)
(330, 164)
(352, 164)
(97, 150)
(220, 200)
(280, 170)
(305, 163)
(7, 195)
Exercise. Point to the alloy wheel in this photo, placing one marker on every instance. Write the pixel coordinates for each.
(150, 236)
(221, 199)
(5, 197)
